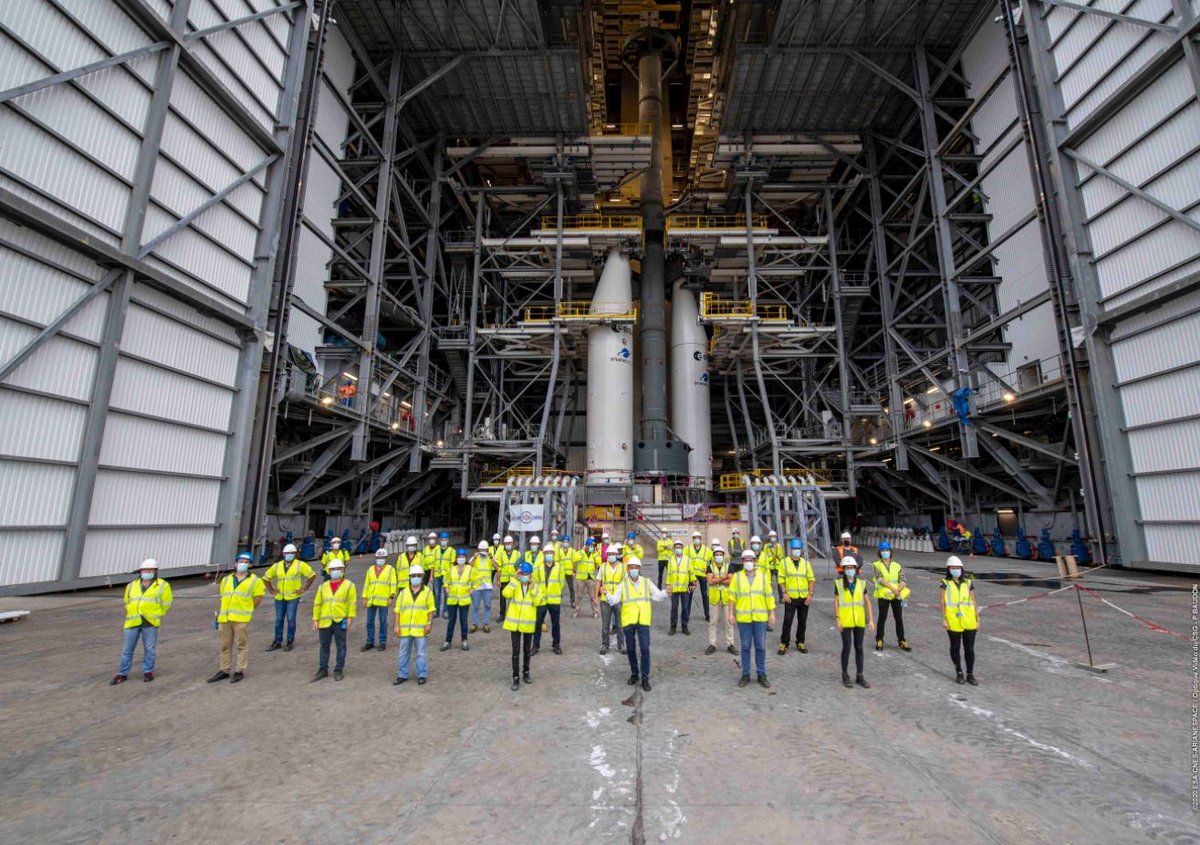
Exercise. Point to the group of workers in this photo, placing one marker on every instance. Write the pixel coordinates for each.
(740, 587)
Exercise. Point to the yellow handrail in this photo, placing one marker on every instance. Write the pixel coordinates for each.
(585, 222)
(715, 221)
(634, 129)
(712, 307)
(492, 477)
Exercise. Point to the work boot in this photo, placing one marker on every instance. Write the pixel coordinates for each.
(118, 679)
(445, 646)
(763, 682)
(645, 684)
(367, 646)
(712, 649)
(801, 647)
(337, 674)
(862, 682)
(236, 678)
(904, 646)
(525, 677)
(671, 632)
(621, 647)
(959, 679)
(321, 675)
(474, 628)
(465, 647)
(971, 680)
(398, 681)
(744, 681)
(516, 685)
(770, 627)
(604, 649)
(148, 677)
(421, 681)
(879, 645)
(783, 648)
(275, 646)
(557, 649)
(220, 676)
(686, 631)
(382, 646)
(633, 679)
(289, 646)
(846, 681)
(487, 629)
(731, 649)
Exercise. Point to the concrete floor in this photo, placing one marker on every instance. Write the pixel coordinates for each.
(1042, 751)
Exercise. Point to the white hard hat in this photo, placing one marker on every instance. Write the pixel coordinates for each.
(747, 554)
(289, 549)
(381, 552)
(716, 544)
(535, 539)
(432, 535)
(633, 561)
(495, 536)
(845, 535)
(335, 541)
(411, 541)
(549, 552)
(849, 561)
(953, 560)
(755, 539)
(149, 563)
(697, 534)
(507, 538)
(604, 535)
(737, 531)
(483, 546)
(615, 547)
(772, 533)
(416, 569)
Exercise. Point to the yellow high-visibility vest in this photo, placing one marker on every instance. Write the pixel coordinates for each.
(379, 587)
(887, 575)
(753, 598)
(631, 550)
(330, 607)
(852, 610)
(635, 602)
(588, 564)
(340, 554)
(148, 603)
(699, 560)
(289, 578)
(507, 561)
(960, 609)
(457, 581)
(566, 558)
(521, 614)
(413, 610)
(679, 573)
(772, 554)
(550, 584)
(611, 575)
(237, 600)
(719, 594)
(535, 559)
(796, 577)
(483, 566)
(664, 547)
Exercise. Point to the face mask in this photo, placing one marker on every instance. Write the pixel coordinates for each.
(508, 547)
(885, 555)
(696, 545)
(955, 573)
(719, 559)
(147, 576)
(335, 574)
(795, 554)
(524, 579)
(462, 561)
(443, 544)
(755, 546)
(289, 557)
(749, 566)
(633, 574)
(242, 567)
(850, 573)
(415, 580)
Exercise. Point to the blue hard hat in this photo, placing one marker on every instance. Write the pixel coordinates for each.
(566, 538)
(444, 536)
(245, 556)
(462, 552)
(631, 536)
(591, 541)
(795, 543)
(526, 568)
(885, 546)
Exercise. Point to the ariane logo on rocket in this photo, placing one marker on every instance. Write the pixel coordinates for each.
(703, 379)
(623, 355)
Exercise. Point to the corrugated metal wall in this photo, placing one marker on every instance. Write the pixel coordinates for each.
(72, 150)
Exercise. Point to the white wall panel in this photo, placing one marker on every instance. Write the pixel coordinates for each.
(162, 302)
(140, 443)
(30, 556)
(118, 553)
(145, 389)
(40, 427)
(1164, 398)
(59, 366)
(37, 291)
(1173, 543)
(34, 494)
(159, 338)
(132, 498)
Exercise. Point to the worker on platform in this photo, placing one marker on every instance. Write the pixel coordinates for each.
(681, 583)
(853, 614)
(459, 579)
(522, 595)
(414, 622)
(586, 566)
(891, 593)
(334, 552)
(633, 595)
(663, 547)
(287, 580)
(379, 587)
(700, 558)
(736, 546)
(752, 606)
(334, 609)
(443, 560)
(719, 577)
(632, 548)
(549, 579)
(567, 556)
(612, 572)
(846, 548)
(241, 592)
(796, 583)
(147, 600)
(507, 559)
(483, 566)
(960, 618)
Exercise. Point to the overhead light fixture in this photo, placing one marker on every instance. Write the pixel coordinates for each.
(676, 125)
(610, 126)
(927, 424)
(441, 444)
(1010, 397)
(326, 401)
(910, 401)
(352, 378)
(933, 389)
(935, 448)
(387, 395)
(404, 404)
(395, 426)
(873, 442)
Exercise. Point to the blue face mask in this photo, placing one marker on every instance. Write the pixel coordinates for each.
(955, 573)
(416, 580)
(524, 579)
(850, 574)
(242, 567)
(148, 576)
(289, 557)
(336, 574)
(633, 574)
(885, 555)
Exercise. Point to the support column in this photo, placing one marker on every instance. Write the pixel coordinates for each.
(752, 293)
(843, 362)
(432, 246)
(472, 339)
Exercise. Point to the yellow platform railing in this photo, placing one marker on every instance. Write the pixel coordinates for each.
(715, 221)
(733, 480)
(497, 477)
(630, 129)
(713, 307)
(591, 222)
(581, 310)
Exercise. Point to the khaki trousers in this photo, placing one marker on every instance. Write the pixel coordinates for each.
(229, 632)
(717, 617)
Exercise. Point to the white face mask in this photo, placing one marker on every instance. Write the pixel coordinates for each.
(634, 573)
(885, 555)
(508, 547)
(749, 566)
(336, 574)
(955, 573)
(719, 558)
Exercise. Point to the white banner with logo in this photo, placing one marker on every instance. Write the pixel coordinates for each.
(525, 518)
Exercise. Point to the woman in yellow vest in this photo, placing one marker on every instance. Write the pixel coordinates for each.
(718, 579)
(523, 596)
(796, 583)
(147, 600)
(634, 595)
(333, 610)
(891, 592)
(414, 621)
(458, 579)
(753, 606)
(852, 611)
(549, 578)
(379, 586)
(334, 552)
(611, 573)
(241, 592)
(960, 618)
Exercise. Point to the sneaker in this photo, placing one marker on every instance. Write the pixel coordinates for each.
(275, 646)
(445, 646)
(904, 646)
(147, 676)
(557, 649)
(879, 645)
(289, 646)
(846, 682)
(959, 679)
(236, 678)
(367, 646)
(621, 650)
(118, 679)
(802, 648)
(465, 647)
(763, 682)
(671, 632)
(745, 681)
(525, 677)
(971, 680)
(398, 681)
(474, 628)
(320, 676)
(421, 681)
(382, 646)
(604, 649)
(862, 682)
(712, 649)
(220, 676)
(731, 649)
(646, 684)
(487, 629)
(516, 685)
(633, 679)
(783, 648)
(337, 674)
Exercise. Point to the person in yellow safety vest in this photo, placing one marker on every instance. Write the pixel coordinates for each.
(796, 582)
(587, 563)
(752, 605)
(960, 618)
(612, 571)
(507, 559)
(459, 579)
(410, 557)
(334, 609)
(147, 600)
(681, 582)
(523, 596)
(379, 587)
(663, 547)
(736, 546)
(700, 558)
(483, 566)
(334, 552)
(773, 554)
(567, 556)
(414, 621)
(241, 592)
(287, 580)
(429, 559)
(549, 578)
(846, 549)
(443, 559)
(533, 556)
(718, 580)
(852, 612)
(632, 548)
(634, 595)
(891, 593)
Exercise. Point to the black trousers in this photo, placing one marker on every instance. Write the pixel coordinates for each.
(662, 574)
(799, 610)
(521, 644)
(855, 634)
(571, 588)
(897, 610)
(702, 588)
(965, 639)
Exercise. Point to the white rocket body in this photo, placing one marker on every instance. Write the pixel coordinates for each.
(690, 408)
(610, 379)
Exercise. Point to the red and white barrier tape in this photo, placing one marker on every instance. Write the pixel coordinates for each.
(1153, 626)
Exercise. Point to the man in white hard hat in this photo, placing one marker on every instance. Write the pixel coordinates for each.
(736, 546)
(379, 586)
(633, 595)
(286, 581)
(483, 567)
(147, 600)
(414, 621)
(507, 559)
(681, 582)
(334, 552)
(241, 592)
(611, 573)
(334, 608)
(700, 557)
(411, 556)
(752, 606)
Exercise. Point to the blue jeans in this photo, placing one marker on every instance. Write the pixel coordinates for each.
(336, 634)
(421, 644)
(458, 613)
(639, 635)
(756, 631)
(149, 635)
(380, 613)
(286, 609)
(481, 605)
(439, 596)
(555, 611)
